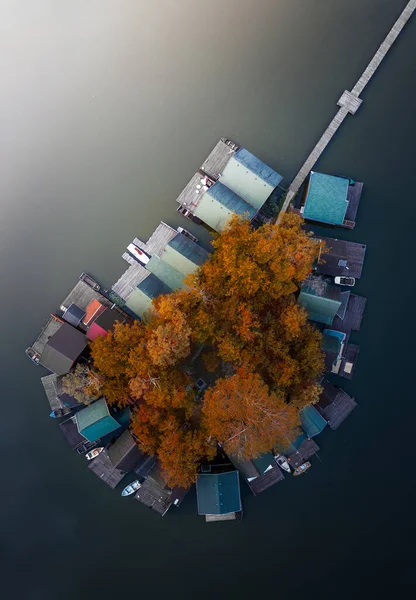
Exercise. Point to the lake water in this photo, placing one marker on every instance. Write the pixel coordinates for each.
(107, 108)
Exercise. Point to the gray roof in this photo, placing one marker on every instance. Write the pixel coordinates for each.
(74, 314)
(298, 456)
(105, 470)
(125, 453)
(71, 434)
(63, 348)
(189, 249)
(259, 468)
(334, 404)
(341, 250)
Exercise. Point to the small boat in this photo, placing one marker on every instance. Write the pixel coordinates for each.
(138, 254)
(187, 234)
(131, 488)
(302, 469)
(93, 453)
(282, 462)
(350, 281)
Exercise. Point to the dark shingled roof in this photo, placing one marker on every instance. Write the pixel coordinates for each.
(353, 315)
(340, 250)
(105, 470)
(107, 319)
(257, 468)
(125, 453)
(334, 404)
(306, 449)
(62, 349)
(71, 434)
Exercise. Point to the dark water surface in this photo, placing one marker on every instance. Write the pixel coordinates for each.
(107, 108)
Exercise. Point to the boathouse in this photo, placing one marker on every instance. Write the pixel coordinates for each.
(300, 450)
(127, 456)
(322, 301)
(334, 404)
(105, 470)
(260, 473)
(69, 429)
(63, 349)
(156, 494)
(331, 200)
(218, 496)
(95, 422)
(104, 322)
(231, 181)
(341, 258)
(312, 421)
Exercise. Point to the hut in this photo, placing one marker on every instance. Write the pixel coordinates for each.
(63, 349)
(231, 181)
(323, 301)
(218, 496)
(156, 494)
(331, 200)
(312, 421)
(301, 450)
(259, 473)
(127, 456)
(95, 422)
(334, 404)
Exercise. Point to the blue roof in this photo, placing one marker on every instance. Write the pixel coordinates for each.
(332, 340)
(189, 249)
(152, 287)
(218, 494)
(74, 314)
(230, 200)
(258, 167)
(95, 422)
(326, 199)
(312, 421)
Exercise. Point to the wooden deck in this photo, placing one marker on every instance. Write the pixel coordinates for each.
(353, 315)
(334, 405)
(105, 470)
(227, 517)
(307, 449)
(266, 480)
(349, 103)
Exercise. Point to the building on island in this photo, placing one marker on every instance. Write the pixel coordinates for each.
(312, 421)
(341, 258)
(300, 450)
(231, 181)
(334, 404)
(218, 496)
(331, 200)
(323, 301)
(260, 473)
(63, 349)
(156, 494)
(95, 422)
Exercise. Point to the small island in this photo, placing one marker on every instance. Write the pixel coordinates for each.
(204, 367)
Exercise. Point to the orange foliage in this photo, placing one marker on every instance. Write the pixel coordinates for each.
(245, 417)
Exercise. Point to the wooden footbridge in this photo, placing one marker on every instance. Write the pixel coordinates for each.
(349, 103)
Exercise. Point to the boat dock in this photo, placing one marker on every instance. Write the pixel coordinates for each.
(348, 103)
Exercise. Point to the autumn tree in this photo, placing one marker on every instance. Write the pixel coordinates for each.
(245, 417)
(83, 384)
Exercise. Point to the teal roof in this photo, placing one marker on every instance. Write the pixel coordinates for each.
(312, 421)
(189, 249)
(165, 272)
(326, 199)
(94, 421)
(319, 308)
(152, 287)
(218, 204)
(230, 200)
(218, 494)
(332, 340)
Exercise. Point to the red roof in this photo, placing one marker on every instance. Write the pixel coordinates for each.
(94, 309)
(95, 331)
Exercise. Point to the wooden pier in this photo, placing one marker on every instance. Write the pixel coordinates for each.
(349, 103)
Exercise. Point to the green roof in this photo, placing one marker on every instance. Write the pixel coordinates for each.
(326, 199)
(138, 302)
(95, 422)
(165, 272)
(319, 308)
(218, 204)
(189, 249)
(218, 494)
(312, 421)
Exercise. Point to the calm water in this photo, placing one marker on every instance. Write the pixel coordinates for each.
(106, 110)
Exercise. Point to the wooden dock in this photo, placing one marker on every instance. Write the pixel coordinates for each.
(349, 103)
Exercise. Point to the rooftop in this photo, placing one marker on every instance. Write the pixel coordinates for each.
(95, 421)
(321, 301)
(166, 273)
(326, 199)
(334, 404)
(125, 453)
(70, 432)
(342, 258)
(218, 493)
(353, 315)
(312, 421)
(301, 450)
(62, 349)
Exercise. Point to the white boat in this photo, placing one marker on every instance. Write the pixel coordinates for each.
(131, 488)
(187, 234)
(138, 254)
(350, 281)
(93, 453)
(282, 462)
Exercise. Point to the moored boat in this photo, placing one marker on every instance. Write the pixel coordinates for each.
(131, 488)
(302, 469)
(93, 453)
(282, 462)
